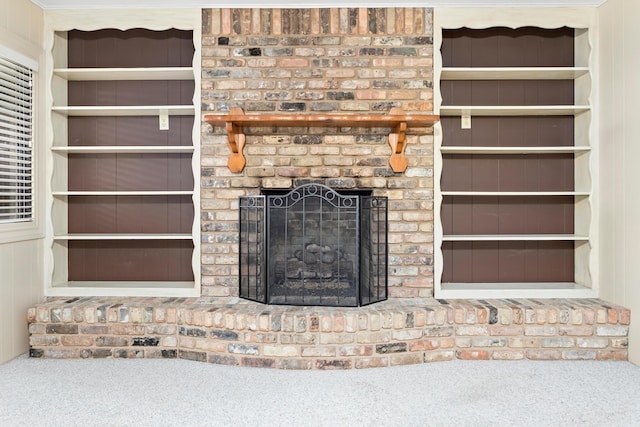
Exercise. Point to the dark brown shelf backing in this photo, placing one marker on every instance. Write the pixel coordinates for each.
(129, 131)
(508, 172)
(131, 92)
(508, 47)
(507, 92)
(130, 172)
(135, 260)
(508, 261)
(507, 215)
(112, 48)
(130, 214)
(517, 131)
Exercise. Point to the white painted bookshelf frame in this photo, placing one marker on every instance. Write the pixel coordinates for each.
(60, 21)
(585, 144)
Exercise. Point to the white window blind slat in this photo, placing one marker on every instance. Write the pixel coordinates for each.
(11, 198)
(13, 110)
(22, 91)
(14, 122)
(18, 76)
(20, 95)
(16, 109)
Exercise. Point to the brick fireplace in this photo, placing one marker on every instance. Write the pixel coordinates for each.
(322, 61)
(350, 61)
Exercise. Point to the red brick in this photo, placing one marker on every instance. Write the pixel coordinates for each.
(424, 345)
(612, 355)
(472, 355)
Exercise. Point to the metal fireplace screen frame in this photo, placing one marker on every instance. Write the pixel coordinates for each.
(313, 246)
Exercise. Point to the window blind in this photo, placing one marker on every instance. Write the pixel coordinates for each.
(16, 135)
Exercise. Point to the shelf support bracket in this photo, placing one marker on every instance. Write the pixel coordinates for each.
(237, 140)
(397, 141)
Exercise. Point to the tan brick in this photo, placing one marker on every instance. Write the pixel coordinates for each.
(583, 331)
(540, 330)
(472, 330)
(507, 355)
(125, 329)
(619, 342)
(280, 351)
(44, 340)
(524, 342)
(77, 340)
(364, 337)
(406, 359)
(407, 334)
(355, 350)
(556, 342)
(488, 342)
(543, 354)
(499, 330)
(439, 356)
(579, 355)
(371, 362)
(592, 342)
(318, 351)
(612, 331)
(337, 338)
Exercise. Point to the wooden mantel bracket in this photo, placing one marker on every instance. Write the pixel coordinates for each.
(237, 139)
(396, 120)
(397, 141)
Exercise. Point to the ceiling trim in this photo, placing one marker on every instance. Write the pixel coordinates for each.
(151, 4)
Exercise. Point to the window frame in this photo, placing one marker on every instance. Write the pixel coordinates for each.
(33, 228)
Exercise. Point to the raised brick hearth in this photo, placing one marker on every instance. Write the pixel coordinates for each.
(395, 332)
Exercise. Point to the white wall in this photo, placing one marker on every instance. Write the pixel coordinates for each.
(619, 181)
(21, 253)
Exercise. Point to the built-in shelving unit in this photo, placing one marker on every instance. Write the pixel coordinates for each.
(124, 164)
(513, 155)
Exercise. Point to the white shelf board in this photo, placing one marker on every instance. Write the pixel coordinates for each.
(512, 237)
(124, 149)
(125, 289)
(514, 290)
(144, 73)
(122, 193)
(513, 150)
(513, 73)
(112, 110)
(515, 193)
(513, 110)
(105, 236)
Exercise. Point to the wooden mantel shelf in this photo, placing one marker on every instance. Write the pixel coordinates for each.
(396, 120)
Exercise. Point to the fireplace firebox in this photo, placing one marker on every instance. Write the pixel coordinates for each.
(313, 246)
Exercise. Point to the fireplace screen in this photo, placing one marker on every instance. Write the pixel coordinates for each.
(313, 246)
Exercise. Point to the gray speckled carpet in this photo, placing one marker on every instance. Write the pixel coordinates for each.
(38, 392)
